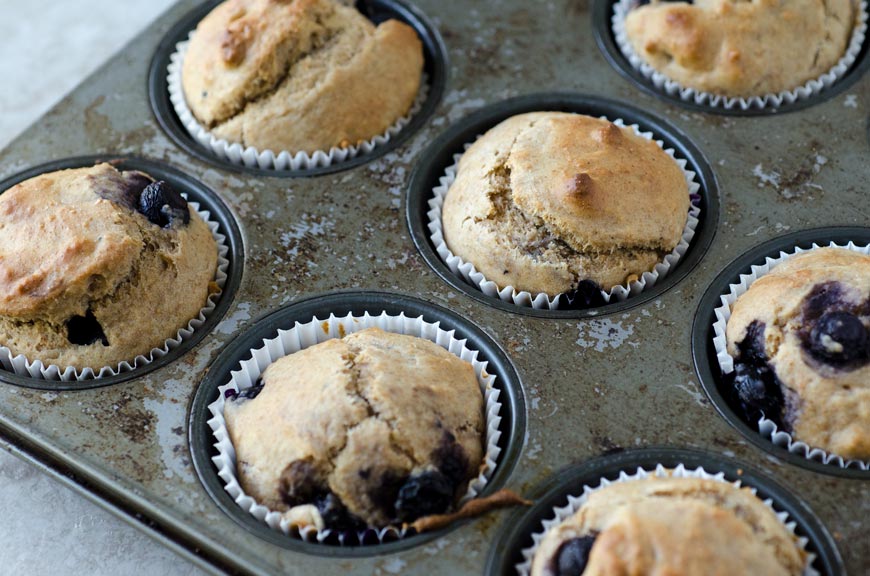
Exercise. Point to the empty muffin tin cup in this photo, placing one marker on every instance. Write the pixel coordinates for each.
(614, 41)
(176, 116)
(564, 494)
(434, 176)
(714, 364)
(302, 332)
(35, 373)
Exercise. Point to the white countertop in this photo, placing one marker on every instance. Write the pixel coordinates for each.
(48, 47)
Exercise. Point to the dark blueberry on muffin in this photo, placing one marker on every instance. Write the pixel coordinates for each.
(587, 294)
(839, 338)
(573, 555)
(755, 384)
(85, 330)
(162, 205)
(424, 494)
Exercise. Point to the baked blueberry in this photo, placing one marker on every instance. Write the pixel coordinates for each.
(451, 459)
(334, 514)
(587, 294)
(572, 556)
(755, 384)
(300, 482)
(424, 494)
(839, 337)
(252, 392)
(85, 330)
(163, 205)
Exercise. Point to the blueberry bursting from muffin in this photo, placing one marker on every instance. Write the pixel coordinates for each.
(163, 206)
(404, 498)
(833, 337)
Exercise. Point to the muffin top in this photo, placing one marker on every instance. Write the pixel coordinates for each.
(545, 200)
(372, 429)
(671, 526)
(801, 349)
(299, 75)
(742, 49)
(98, 266)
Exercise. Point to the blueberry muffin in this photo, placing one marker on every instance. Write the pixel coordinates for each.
(299, 75)
(801, 349)
(555, 202)
(373, 429)
(671, 526)
(98, 266)
(741, 49)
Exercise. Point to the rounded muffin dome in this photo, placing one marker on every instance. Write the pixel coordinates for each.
(99, 266)
(547, 200)
(373, 429)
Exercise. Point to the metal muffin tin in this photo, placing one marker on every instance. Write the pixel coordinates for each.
(622, 379)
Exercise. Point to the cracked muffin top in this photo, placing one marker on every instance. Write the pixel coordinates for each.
(742, 48)
(98, 266)
(372, 429)
(799, 338)
(546, 200)
(299, 75)
(671, 526)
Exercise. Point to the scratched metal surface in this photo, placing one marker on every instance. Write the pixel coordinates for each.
(621, 380)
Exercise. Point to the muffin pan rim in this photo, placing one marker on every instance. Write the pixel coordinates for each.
(704, 357)
(200, 437)
(436, 66)
(197, 191)
(601, 12)
(438, 155)
(515, 534)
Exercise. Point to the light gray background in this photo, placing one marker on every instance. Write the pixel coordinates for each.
(46, 48)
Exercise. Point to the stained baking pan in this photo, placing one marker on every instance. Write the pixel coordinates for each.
(622, 378)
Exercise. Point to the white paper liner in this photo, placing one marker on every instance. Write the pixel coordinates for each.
(302, 336)
(252, 157)
(542, 301)
(680, 471)
(36, 369)
(673, 88)
(726, 361)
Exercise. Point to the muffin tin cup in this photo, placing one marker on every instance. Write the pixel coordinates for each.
(713, 362)
(34, 373)
(726, 362)
(565, 493)
(333, 316)
(252, 157)
(612, 39)
(170, 107)
(541, 300)
(436, 171)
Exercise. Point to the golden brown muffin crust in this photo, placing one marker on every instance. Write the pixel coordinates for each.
(831, 407)
(363, 412)
(72, 244)
(742, 48)
(299, 74)
(675, 526)
(546, 199)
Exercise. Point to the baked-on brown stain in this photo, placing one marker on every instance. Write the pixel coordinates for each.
(475, 507)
